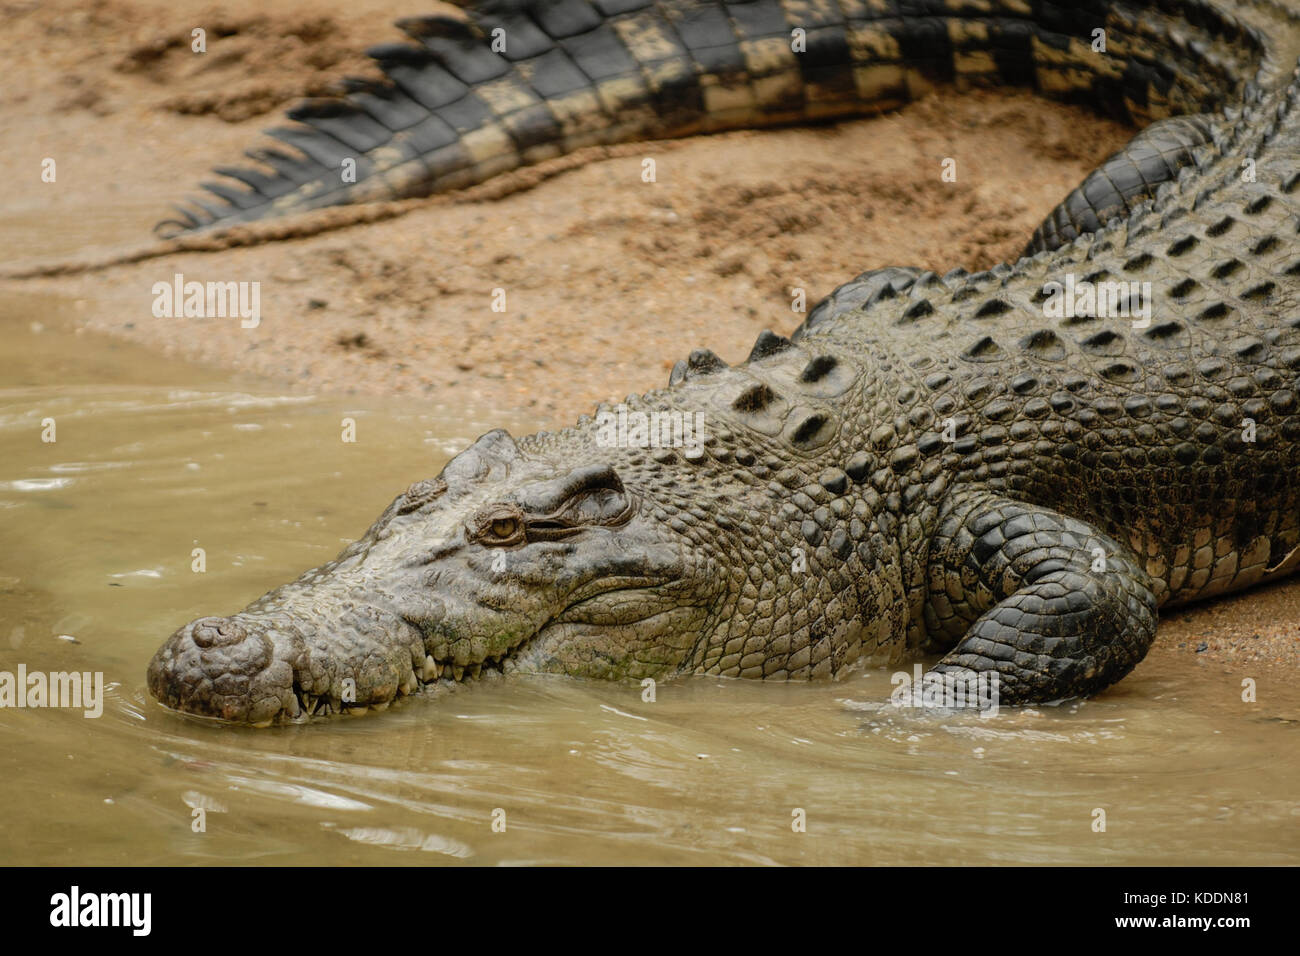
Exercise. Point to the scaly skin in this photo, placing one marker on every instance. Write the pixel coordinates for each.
(928, 464)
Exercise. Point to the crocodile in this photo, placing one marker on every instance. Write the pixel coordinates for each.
(1013, 470)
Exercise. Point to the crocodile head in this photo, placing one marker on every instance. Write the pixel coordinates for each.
(508, 561)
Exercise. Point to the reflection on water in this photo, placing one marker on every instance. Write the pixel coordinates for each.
(153, 461)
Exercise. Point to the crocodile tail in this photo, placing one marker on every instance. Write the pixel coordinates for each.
(514, 82)
(509, 83)
(1125, 180)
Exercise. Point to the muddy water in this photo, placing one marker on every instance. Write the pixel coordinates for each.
(153, 460)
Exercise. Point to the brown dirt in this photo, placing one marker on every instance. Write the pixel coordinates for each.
(608, 279)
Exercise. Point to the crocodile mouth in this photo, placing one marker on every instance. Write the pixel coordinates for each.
(435, 674)
(443, 673)
(260, 671)
(427, 679)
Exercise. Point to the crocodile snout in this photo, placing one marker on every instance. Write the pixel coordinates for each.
(219, 667)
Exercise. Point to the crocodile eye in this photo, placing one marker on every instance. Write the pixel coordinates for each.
(502, 525)
(505, 528)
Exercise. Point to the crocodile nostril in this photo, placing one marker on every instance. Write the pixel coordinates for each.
(217, 632)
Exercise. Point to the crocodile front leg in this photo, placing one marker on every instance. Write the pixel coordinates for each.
(1053, 606)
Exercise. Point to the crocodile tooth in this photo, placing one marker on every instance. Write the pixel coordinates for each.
(430, 668)
(358, 711)
(457, 672)
(474, 669)
(380, 707)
